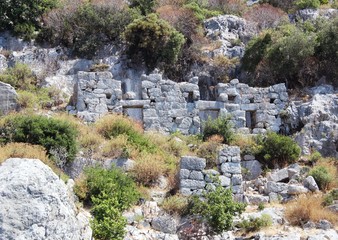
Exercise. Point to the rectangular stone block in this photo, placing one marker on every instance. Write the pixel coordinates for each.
(192, 184)
(193, 163)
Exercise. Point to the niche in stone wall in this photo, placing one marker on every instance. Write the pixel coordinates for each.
(250, 118)
(231, 98)
(135, 113)
(190, 97)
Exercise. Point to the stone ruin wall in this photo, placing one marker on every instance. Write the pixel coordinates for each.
(167, 106)
(194, 178)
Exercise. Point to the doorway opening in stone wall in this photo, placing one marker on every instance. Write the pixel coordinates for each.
(250, 118)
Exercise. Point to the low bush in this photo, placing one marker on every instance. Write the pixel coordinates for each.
(20, 77)
(255, 224)
(218, 208)
(110, 192)
(113, 183)
(175, 205)
(303, 4)
(47, 132)
(220, 126)
(322, 176)
(108, 222)
(277, 150)
(201, 12)
(330, 197)
(308, 208)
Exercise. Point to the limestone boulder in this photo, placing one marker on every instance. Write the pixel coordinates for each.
(311, 184)
(253, 169)
(165, 224)
(36, 204)
(8, 98)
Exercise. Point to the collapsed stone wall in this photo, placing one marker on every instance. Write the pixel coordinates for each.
(194, 178)
(167, 106)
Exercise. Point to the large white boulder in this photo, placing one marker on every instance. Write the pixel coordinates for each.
(36, 204)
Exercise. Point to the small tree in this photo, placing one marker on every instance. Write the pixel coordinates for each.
(23, 17)
(154, 39)
(265, 16)
(218, 208)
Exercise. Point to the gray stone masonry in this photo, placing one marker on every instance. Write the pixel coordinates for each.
(194, 179)
(167, 106)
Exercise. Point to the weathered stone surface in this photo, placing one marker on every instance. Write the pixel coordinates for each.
(35, 203)
(225, 181)
(196, 175)
(311, 184)
(296, 190)
(192, 184)
(324, 224)
(165, 224)
(253, 169)
(275, 187)
(318, 119)
(279, 175)
(257, 199)
(193, 163)
(8, 98)
(230, 167)
(329, 234)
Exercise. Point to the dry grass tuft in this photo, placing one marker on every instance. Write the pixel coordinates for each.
(175, 205)
(147, 170)
(25, 150)
(308, 208)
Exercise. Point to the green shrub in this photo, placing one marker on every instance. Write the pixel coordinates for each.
(47, 132)
(110, 192)
(219, 126)
(201, 13)
(23, 17)
(314, 157)
(154, 39)
(302, 4)
(217, 208)
(322, 176)
(19, 77)
(330, 197)
(277, 150)
(255, 52)
(112, 184)
(144, 6)
(108, 222)
(254, 224)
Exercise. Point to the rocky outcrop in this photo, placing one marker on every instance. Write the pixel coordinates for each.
(36, 204)
(231, 32)
(8, 98)
(316, 120)
(312, 14)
